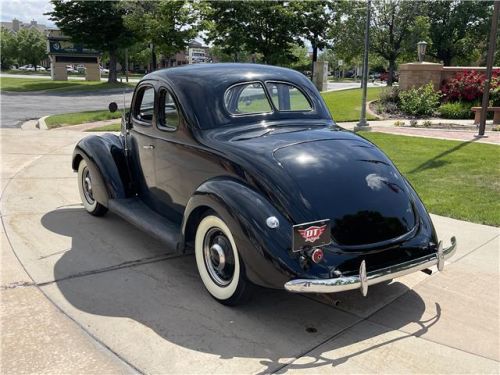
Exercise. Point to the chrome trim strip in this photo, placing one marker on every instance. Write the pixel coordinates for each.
(364, 279)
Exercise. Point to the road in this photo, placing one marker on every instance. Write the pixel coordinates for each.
(337, 86)
(19, 107)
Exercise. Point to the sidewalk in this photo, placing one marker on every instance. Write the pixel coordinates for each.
(467, 135)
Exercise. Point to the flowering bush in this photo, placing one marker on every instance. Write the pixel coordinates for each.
(468, 86)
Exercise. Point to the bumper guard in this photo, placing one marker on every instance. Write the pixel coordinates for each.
(365, 279)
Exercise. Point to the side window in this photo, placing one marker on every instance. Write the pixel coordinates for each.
(286, 97)
(144, 105)
(247, 98)
(169, 115)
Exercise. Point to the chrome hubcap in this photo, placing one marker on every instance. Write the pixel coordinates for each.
(87, 186)
(218, 256)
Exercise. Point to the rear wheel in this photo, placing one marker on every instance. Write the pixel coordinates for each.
(86, 191)
(218, 262)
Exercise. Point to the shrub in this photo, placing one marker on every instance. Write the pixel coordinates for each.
(468, 86)
(421, 101)
(399, 123)
(413, 123)
(427, 123)
(456, 110)
(389, 95)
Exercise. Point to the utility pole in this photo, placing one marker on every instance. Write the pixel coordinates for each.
(489, 66)
(126, 65)
(363, 124)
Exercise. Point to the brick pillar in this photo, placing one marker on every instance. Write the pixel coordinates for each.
(92, 72)
(320, 75)
(413, 75)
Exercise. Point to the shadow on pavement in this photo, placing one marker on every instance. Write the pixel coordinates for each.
(168, 297)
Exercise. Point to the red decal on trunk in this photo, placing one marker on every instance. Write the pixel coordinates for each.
(311, 234)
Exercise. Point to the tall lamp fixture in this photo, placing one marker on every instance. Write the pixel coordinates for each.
(363, 124)
(421, 48)
(489, 67)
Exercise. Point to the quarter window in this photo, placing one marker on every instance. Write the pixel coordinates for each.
(169, 116)
(286, 97)
(248, 98)
(144, 107)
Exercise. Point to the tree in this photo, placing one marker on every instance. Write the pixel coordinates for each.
(265, 27)
(347, 33)
(96, 24)
(8, 48)
(315, 20)
(168, 25)
(392, 23)
(31, 46)
(456, 27)
(224, 22)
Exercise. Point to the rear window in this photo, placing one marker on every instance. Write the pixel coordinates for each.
(287, 97)
(247, 98)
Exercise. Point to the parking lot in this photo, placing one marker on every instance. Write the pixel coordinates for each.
(95, 295)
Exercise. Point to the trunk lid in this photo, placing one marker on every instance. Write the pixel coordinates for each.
(352, 183)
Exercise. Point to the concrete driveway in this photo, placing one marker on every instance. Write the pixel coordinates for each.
(94, 295)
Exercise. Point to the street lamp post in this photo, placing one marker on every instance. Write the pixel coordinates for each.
(363, 124)
(489, 66)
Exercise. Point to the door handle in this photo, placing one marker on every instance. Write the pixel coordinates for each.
(148, 147)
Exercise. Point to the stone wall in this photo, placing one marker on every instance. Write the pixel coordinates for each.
(413, 75)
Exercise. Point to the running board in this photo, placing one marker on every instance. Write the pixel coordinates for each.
(136, 212)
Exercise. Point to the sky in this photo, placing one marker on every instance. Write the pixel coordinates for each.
(26, 10)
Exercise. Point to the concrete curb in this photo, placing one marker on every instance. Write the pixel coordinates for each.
(41, 123)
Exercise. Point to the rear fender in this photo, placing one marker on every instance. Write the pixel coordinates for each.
(266, 252)
(105, 158)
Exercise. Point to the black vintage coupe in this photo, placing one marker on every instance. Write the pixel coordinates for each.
(243, 164)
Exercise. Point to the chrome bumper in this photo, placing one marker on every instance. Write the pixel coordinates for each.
(364, 279)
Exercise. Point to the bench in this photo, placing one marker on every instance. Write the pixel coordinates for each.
(477, 114)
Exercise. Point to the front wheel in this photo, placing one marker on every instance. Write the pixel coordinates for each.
(218, 262)
(92, 206)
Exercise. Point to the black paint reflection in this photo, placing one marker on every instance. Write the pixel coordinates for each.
(366, 227)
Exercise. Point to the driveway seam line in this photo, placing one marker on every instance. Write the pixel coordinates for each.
(120, 266)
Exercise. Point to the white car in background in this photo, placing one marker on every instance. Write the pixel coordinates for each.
(31, 68)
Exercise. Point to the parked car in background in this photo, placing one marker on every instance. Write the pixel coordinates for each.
(103, 70)
(244, 165)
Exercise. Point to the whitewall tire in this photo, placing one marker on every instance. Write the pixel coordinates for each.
(86, 193)
(218, 261)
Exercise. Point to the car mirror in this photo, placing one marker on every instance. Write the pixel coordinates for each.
(113, 107)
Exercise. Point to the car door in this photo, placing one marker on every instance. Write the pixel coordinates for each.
(169, 152)
(143, 140)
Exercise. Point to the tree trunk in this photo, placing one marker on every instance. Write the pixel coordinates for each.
(392, 68)
(112, 77)
(314, 58)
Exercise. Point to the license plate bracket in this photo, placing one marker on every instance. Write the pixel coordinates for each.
(307, 235)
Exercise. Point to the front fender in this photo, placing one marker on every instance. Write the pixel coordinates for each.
(105, 158)
(266, 252)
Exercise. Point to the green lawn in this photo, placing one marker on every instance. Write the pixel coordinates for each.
(37, 84)
(345, 105)
(76, 118)
(106, 128)
(454, 179)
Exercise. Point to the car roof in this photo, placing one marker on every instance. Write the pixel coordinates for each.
(200, 89)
